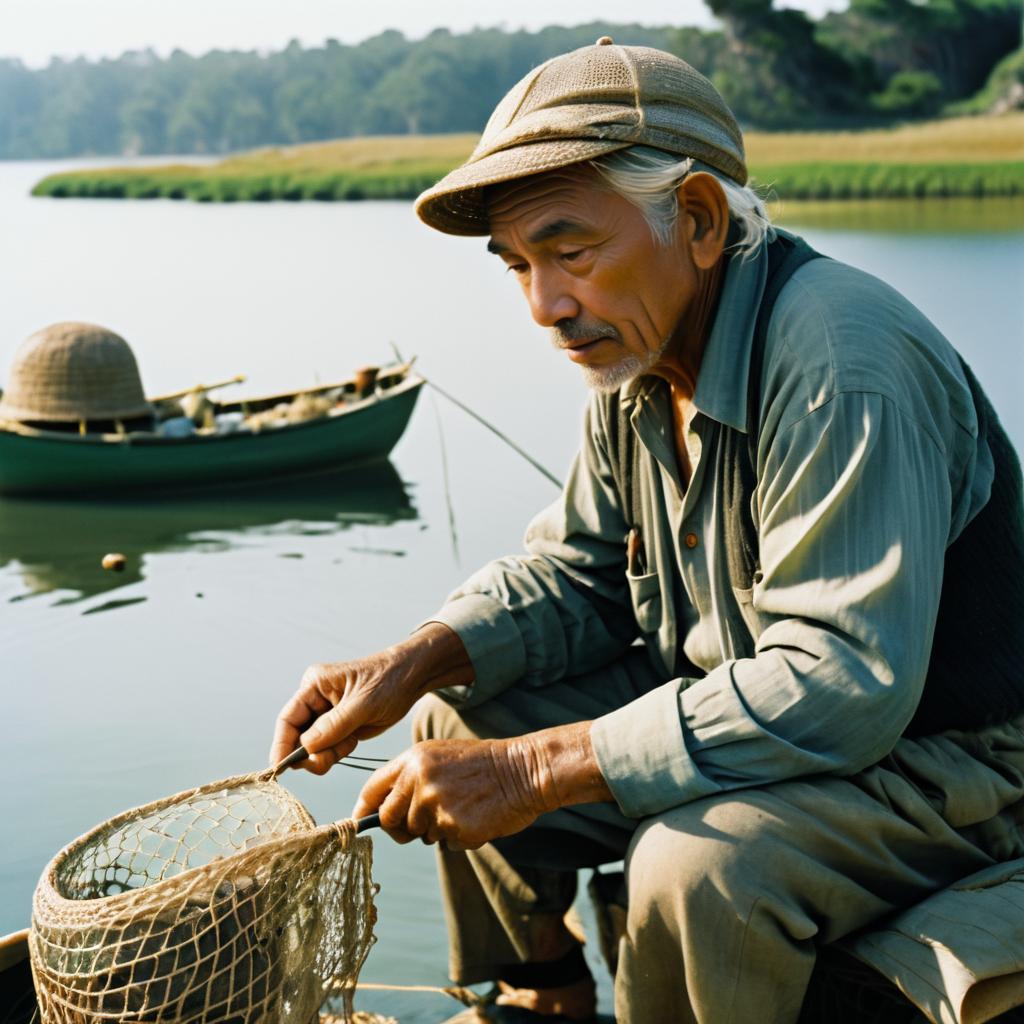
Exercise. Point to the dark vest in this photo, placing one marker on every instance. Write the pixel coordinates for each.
(976, 669)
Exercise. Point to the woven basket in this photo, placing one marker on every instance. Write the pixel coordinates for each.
(72, 371)
(224, 903)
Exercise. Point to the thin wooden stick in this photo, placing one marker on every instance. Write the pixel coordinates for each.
(174, 395)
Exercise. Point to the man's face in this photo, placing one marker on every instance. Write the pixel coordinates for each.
(592, 272)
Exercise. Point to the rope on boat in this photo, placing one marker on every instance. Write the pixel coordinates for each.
(490, 426)
(464, 995)
(494, 430)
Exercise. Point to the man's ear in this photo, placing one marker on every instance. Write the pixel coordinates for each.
(703, 217)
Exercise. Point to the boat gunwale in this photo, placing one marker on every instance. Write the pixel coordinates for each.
(151, 439)
(398, 371)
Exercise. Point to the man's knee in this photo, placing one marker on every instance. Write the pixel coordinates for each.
(700, 858)
(433, 719)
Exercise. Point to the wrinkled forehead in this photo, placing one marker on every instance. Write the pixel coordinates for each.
(575, 193)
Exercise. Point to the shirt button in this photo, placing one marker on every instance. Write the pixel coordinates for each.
(690, 540)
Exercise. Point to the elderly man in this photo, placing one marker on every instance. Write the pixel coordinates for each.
(794, 494)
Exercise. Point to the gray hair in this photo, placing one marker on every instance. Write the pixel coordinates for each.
(649, 177)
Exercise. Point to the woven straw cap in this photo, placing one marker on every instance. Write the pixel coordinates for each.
(72, 371)
(579, 106)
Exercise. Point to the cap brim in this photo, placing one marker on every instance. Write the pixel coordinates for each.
(455, 205)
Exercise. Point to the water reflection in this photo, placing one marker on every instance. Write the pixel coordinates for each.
(57, 545)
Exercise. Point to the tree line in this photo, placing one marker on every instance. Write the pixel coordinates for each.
(879, 60)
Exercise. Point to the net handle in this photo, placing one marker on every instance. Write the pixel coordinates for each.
(370, 821)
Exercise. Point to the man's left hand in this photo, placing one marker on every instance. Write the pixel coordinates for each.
(468, 792)
(465, 792)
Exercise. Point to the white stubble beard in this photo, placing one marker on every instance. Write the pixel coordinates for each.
(608, 379)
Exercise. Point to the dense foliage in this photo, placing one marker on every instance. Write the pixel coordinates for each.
(879, 60)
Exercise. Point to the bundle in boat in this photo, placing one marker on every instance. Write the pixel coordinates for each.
(223, 904)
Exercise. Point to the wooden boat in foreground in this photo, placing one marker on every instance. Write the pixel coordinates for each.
(17, 994)
(358, 423)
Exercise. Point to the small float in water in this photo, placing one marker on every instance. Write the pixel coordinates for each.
(74, 420)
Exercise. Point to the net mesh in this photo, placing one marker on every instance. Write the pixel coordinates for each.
(225, 903)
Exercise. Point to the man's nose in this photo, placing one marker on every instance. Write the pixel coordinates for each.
(551, 300)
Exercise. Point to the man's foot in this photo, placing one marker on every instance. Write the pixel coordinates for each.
(566, 1004)
(576, 1001)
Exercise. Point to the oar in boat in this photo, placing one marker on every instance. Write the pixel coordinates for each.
(173, 396)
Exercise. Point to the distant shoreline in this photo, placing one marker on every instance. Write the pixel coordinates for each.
(962, 157)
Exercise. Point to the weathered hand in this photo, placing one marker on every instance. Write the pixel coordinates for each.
(336, 705)
(468, 792)
(465, 792)
(339, 704)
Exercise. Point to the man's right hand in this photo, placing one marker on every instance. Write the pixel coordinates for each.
(339, 704)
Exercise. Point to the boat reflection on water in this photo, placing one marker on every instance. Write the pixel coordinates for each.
(58, 546)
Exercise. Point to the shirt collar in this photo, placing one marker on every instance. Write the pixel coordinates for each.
(725, 368)
(722, 381)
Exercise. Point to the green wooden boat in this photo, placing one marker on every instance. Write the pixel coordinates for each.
(361, 425)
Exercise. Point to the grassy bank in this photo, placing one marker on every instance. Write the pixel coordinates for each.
(961, 216)
(979, 156)
(383, 167)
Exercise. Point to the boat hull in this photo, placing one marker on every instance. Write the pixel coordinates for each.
(47, 463)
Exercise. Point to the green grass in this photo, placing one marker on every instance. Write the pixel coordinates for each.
(960, 215)
(891, 181)
(255, 186)
(966, 157)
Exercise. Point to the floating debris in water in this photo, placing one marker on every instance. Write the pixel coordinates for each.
(114, 561)
(390, 552)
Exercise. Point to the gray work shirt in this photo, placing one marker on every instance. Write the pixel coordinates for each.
(868, 466)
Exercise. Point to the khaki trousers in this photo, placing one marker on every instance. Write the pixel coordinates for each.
(729, 895)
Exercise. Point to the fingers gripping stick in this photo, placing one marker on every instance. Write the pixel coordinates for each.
(299, 754)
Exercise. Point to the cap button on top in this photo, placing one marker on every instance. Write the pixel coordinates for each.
(691, 540)
(605, 41)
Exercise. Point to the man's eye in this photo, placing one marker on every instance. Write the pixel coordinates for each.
(517, 268)
(572, 255)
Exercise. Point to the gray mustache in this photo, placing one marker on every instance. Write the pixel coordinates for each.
(566, 331)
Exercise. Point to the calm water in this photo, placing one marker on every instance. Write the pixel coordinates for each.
(119, 689)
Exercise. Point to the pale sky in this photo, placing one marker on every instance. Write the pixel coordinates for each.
(35, 30)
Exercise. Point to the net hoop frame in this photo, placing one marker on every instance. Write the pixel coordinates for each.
(55, 916)
(48, 880)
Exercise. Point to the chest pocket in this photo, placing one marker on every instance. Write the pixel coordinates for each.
(645, 594)
(744, 645)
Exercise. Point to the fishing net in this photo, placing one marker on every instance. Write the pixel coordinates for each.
(222, 904)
